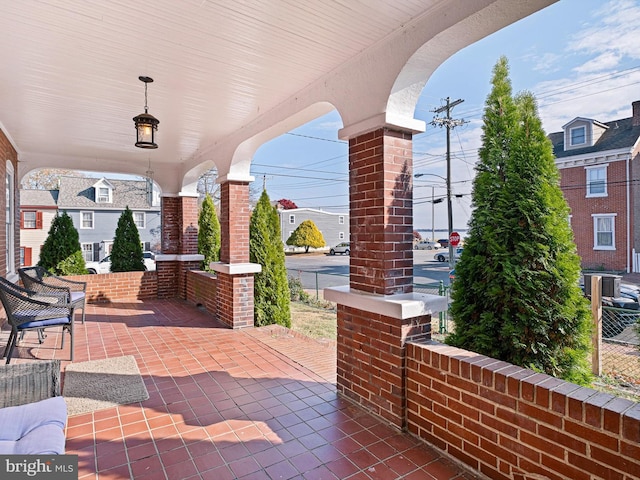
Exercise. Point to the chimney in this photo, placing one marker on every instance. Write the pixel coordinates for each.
(636, 113)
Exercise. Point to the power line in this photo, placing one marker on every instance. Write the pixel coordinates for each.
(448, 123)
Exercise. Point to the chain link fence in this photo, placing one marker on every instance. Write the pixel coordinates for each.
(315, 281)
(620, 352)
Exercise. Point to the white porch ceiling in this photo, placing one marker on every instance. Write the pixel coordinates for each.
(69, 71)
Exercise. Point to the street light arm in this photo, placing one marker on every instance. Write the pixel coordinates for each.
(418, 175)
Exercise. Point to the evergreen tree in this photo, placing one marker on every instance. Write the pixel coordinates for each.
(126, 254)
(516, 295)
(61, 253)
(306, 235)
(272, 297)
(208, 233)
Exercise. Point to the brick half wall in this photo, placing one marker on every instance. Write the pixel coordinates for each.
(202, 290)
(509, 422)
(119, 287)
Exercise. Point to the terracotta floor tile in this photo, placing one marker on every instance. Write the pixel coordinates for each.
(282, 470)
(244, 467)
(224, 404)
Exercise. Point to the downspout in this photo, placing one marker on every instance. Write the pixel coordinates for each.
(628, 216)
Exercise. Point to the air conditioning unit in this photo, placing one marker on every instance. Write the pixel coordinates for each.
(610, 285)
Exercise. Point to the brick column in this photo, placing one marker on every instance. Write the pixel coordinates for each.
(377, 312)
(179, 245)
(235, 305)
(381, 212)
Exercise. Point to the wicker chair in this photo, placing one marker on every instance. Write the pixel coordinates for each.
(39, 280)
(29, 382)
(33, 415)
(28, 310)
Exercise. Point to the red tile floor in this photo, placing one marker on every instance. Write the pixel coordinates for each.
(250, 404)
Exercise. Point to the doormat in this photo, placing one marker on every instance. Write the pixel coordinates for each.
(99, 384)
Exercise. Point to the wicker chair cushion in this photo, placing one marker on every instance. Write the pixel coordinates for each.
(76, 296)
(34, 429)
(44, 323)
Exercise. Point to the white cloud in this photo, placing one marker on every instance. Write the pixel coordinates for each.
(613, 37)
(602, 62)
(604, 98)
(545, 63)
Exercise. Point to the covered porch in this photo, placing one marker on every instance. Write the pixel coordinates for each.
(226, 404)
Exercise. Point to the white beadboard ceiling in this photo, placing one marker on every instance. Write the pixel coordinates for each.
(69, 69)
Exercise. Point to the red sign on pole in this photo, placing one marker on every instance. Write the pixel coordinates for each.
(454, 239)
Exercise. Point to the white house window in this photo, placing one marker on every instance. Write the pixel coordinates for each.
(597, 181)
(292, 219)
(578, 135)
(341, 219)
(87, 251)
(604, 231)
(341, 235)
(86, 219)
(139, 220)
(29, 219)
(103, 195)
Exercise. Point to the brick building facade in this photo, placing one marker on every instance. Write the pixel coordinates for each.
(600, 178)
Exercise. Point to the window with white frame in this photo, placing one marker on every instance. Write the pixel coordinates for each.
(341, 219)
(292, 219)
(341, 235)
(86, 219)
(597, 181)
(103, 195)
(87, 251)
(578, 135)
(29, 220)
(604, 237)
(139, 219)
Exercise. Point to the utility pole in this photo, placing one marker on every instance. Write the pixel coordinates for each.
(449, 123)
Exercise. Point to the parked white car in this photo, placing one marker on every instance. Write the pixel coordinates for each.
(104, 265)
(427, 245)
(343, 248)
(444, 255)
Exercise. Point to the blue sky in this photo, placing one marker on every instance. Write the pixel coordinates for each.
(578, 57)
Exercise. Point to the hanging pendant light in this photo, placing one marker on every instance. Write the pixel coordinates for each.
(146, 124)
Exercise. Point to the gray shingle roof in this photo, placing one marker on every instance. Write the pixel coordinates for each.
(620, 134)
(78, 192)
(38, 198)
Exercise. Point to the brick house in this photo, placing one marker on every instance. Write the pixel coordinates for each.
(600, 177)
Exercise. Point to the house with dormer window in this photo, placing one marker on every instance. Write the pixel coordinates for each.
(95, 206)
(599, 164)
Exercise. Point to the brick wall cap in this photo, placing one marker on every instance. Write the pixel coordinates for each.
(399, 306)
(551, 383)
(633, 412)
(179, 258)
(239, 177)
(235, 268)
(620, 405)
(581, 394)
(564, 388)
(382, 120)
(600, 399)
(536, 379)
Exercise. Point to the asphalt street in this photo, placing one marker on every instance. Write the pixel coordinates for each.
(320, 270)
